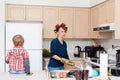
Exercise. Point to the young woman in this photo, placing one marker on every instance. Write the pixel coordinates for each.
(58, 49)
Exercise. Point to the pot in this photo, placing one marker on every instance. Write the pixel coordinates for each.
(118, 58)
(77, 51)
(115, 71)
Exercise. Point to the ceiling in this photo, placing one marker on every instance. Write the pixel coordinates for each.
(73, 3)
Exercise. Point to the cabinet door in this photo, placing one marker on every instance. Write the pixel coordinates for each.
(81, 22)
(15, 12)
(117, 19)
(50, 19)
(94, 21)
(102, 13)
(33, 13)
(66, 15)
(110, 11)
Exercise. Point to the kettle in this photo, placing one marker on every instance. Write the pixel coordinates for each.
(77, 51)
(118, 58)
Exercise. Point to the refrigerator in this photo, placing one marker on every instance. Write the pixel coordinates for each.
(32, 33)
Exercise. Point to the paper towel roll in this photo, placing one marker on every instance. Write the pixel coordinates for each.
(104, 65)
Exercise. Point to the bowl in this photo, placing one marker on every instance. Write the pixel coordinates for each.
(59, 74)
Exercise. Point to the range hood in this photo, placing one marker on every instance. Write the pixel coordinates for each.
(108, 27)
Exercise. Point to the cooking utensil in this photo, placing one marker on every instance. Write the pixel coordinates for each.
(70, 63)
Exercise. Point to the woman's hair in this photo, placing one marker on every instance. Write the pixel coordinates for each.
(58, 26)
(18, 40)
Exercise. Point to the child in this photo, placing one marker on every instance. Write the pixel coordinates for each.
(18, 57)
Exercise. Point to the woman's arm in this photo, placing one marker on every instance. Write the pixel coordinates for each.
(56, 57)
(63, 60)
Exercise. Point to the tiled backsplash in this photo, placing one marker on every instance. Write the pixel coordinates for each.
(70, 44)
(108, 43)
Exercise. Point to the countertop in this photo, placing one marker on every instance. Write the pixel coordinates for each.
(42, 75)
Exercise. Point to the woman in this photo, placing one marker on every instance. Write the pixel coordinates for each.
(58, 49)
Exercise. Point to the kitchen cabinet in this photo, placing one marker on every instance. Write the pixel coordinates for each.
(57, 15)
(110, 11)
(94, 21)
(23, 13)
(66, 15)
(15, 12)
(101, 14)
(34, 13)
(117, 19)
(81, 23)
(50, 19)
(106, 12)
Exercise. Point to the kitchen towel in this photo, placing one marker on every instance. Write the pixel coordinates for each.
(104, 65)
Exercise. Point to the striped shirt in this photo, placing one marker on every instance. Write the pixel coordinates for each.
(16, 58)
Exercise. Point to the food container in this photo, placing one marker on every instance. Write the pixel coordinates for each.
(79, 74)
(59, 73)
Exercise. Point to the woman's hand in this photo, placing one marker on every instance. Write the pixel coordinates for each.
(67, 61)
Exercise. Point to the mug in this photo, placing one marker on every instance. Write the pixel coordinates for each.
(81, 74)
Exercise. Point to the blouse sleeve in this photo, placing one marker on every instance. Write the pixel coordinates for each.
(8, 56)
(66, 51)
(53, 48)
(25, 55)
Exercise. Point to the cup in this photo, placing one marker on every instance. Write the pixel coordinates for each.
(85, 74)
(81, 74)
(78, 75)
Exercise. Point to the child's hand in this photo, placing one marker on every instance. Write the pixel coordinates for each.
(29, 73)
(7, 62)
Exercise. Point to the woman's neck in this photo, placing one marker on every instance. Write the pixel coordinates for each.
(60, 39)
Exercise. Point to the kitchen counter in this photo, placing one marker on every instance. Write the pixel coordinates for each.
(42, 75)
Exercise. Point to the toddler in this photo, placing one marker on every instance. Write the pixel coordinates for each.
(18, 58)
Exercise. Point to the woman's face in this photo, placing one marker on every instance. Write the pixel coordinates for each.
(61, 33)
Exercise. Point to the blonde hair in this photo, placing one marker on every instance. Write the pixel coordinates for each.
(18, 40)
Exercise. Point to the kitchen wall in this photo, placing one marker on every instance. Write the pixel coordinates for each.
(107, 43)
(71, 43)
(2, 21)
